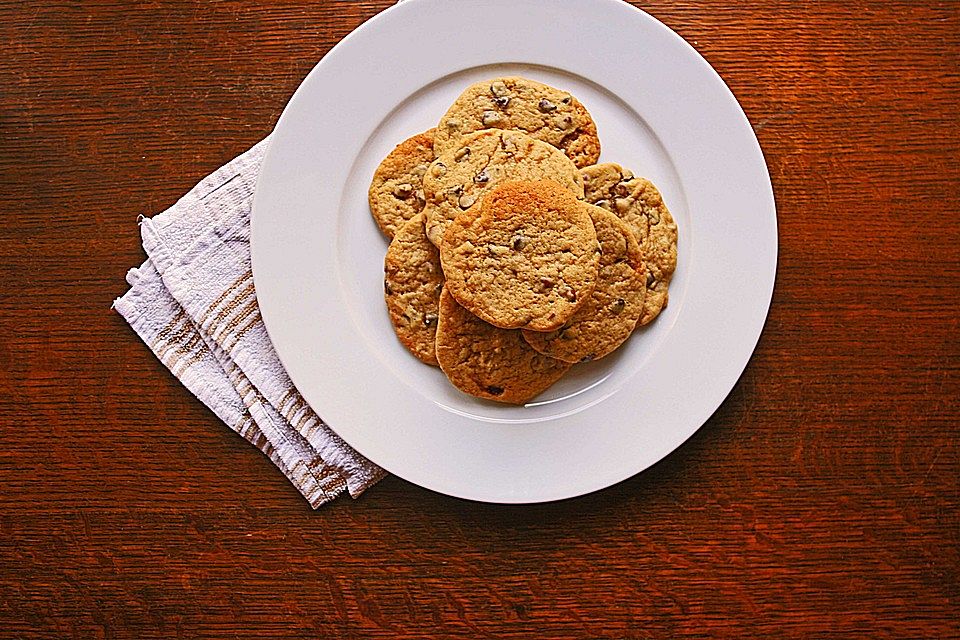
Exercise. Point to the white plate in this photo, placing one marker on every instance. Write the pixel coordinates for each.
(660, 109)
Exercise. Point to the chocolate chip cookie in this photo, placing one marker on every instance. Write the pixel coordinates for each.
(396, 192)
(539, 110)
(638, 203)
(487, 362)
(480, 161)
(525, 258)
(411, 285)
(610, 315)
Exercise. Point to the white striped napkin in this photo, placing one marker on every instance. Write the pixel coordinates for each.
(193, 303)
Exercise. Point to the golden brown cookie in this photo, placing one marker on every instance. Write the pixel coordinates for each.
(638, 203)
(610, 315)
(411, 285)
(525, 258)
(396, 191)
(539, 110)
(487, 362)
(481, 161)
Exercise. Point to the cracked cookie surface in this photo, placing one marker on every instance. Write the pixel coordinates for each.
(412, 283)
(638, 203)
(537, 109)
(526, 257)
(482, 160)
(610, 314)
(488, 362)
(396, 191)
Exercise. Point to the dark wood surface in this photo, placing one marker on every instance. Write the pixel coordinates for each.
(821, 500)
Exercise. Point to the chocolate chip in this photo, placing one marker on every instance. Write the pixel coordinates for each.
(618, 305)
(403, 190)
(546, 106)
(491, 118)
(651, 280)
(466, 201)
(494, 390)
(438, 169)
(569, 294)
(502, 102)
(421, 198)
(518, 242)
(387, 289)
(547, 281)
(498, 89)
(588, 357)
(438, 289)
(429, 319)
(567, 100)
(461, 154)
(482, 177)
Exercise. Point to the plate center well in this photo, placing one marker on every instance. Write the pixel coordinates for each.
(625, 139)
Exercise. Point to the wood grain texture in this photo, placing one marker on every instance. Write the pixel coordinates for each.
(821, 500)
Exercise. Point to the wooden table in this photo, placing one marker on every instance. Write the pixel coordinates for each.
(821, 500)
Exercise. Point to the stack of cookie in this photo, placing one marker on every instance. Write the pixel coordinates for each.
(514, 255)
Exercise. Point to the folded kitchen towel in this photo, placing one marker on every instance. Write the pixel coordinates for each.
(193, 303)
